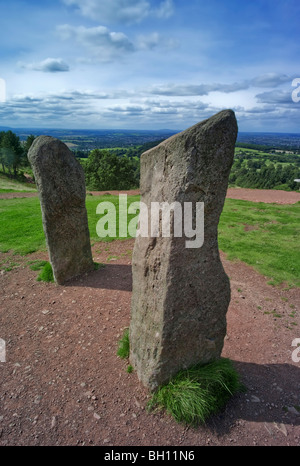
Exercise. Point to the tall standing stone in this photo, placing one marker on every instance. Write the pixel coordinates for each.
(181, 295)
(61, 185)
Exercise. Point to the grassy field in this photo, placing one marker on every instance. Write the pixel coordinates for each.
(21, 222)
(265, 236)
(10, 185)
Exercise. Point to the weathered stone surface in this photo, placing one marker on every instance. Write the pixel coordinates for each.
(61, 186)
(181, 295)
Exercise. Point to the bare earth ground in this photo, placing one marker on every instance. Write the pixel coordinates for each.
(62, 383)
(254, 195)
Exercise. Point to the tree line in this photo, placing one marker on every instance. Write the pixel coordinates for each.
(113, 169)
(119, 169)
(258, 175)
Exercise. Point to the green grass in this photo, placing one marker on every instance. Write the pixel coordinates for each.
(21, 223)
(270, 245)
(129, 369)
(91, 205)
(195, 394)
(46, 274)
(37, 265)
(123, 345)
(124, 349)
(8, 265)
(98, 265)
(9, 185)
(21, 226)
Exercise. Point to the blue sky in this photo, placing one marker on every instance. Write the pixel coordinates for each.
(149, 64)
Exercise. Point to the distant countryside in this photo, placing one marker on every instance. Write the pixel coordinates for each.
(111, 158)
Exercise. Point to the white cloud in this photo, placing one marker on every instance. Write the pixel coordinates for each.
(196, 89)
(264, 81)
(174, 106)
(121, 11)
(270, 80)
(49, 65)
(100, 41)
(155, 40)
(149, 42)
(165, 10)
(276, 97)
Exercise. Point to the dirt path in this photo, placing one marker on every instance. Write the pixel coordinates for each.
(255, 195)
(62, 383)
(264, 195)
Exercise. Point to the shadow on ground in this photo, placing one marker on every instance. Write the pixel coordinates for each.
(108, 276)
(281, 407)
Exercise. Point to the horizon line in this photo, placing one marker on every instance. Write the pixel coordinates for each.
(126, 129)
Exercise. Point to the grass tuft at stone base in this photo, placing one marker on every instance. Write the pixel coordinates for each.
(195, 394)
(46, 274)
(123, 345)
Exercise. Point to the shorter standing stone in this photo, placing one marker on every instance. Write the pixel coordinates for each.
(61, 185)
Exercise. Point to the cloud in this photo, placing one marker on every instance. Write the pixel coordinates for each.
(73, 95)
(196, 89)
(127, 109)
(257, 110)
(45, 109)
(275, 97)
(263, 81)
(173, 105)
(121, 11)
(179, 90)
(270, 80)
(65, 108)
(50, 65)
(99, 40)
(155, 40)
(165, 10)
(150, 109)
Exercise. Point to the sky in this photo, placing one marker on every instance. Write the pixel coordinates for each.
(149, 64)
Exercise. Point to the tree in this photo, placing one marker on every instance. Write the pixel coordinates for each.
(29, 142)
(11, 151)
(105, 170)
(2, 158)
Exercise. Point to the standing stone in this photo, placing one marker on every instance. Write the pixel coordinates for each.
(181, 295)
(61, 185)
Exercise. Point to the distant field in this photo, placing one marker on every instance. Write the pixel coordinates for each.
(265, 236)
